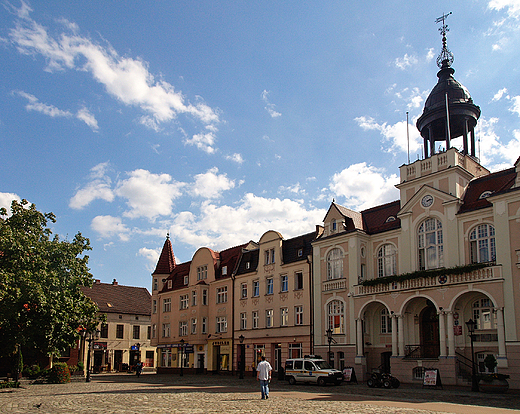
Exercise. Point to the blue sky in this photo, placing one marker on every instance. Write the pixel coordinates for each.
(217, 121)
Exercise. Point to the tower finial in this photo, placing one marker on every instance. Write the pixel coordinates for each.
(445, 58)
(168, 235)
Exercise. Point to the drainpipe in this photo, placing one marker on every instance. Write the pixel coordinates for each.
(311, 287)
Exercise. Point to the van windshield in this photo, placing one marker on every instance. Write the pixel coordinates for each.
(322, 364)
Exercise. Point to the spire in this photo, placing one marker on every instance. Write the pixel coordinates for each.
(445, 58)
(166, 262)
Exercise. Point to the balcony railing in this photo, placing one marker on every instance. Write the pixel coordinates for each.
(334, 284)
(484, 274)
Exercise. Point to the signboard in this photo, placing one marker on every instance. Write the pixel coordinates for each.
(134, 348)
(99, 345)
(457, 330)
(349, 375)
(432, 378)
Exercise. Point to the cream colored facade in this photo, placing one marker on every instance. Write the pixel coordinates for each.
(408, 325)
(273, 314)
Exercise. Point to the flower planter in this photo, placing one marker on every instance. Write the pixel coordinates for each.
(495, 386)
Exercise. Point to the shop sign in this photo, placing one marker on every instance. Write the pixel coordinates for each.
(99, 345)
(220, 343)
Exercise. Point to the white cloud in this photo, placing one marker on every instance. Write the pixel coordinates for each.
(269, 106)
(124, 78)
(395, 134)
(84, 115)
(515, 108)
(364, 186)
(211, 184)
(148, 195)
(98, 188)
(151, 255)
(295, 189)
(236, 158)
(405, 61)
(493, 152)
(430, 55)
(499, 94)
(6, 199)
(512, 6)
(35, 105)
(109, 226)
(204, 142)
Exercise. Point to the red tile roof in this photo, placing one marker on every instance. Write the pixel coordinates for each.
(114, 298)
(381, 218)
(166, 262)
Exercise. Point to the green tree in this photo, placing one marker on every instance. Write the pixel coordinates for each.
(41, 303)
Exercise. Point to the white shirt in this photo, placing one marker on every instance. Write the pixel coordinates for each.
(264, 369)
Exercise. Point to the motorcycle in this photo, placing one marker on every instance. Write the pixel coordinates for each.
(385, 380)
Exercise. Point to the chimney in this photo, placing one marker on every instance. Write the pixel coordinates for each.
(97, 281)
(114, 282)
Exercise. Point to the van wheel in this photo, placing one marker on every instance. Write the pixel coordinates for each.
(292, 381)
(321, 381)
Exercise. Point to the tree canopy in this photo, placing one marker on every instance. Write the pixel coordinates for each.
(41, 303)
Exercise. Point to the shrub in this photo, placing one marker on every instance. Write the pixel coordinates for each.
(59, 373)
(73, 369)
(9, 384)
(81, 367)
(32, 371)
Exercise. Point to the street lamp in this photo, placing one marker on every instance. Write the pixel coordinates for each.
(89, 337)
(329, 339)
(241, 368)
(471, 324)
(182, 356)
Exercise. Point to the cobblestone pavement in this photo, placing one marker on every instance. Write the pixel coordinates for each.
(151, 393)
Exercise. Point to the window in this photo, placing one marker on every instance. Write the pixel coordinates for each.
(202, 272)
(269, 286)
(137, 332)
(149, 332)
(284, 316)
(120, 331)
(183, 328)
(256, 288)
(184, 301)
(248, 265)
(204, 327)
(243, 320)
(193, 325)
(205, 297)
(167, 305)
(333, 226)
(482, 244)
(298, 281)
(186, 280)
(386, 262)
(363, 274)
(284, 283)
(431, 253)
(484, 314)
(166, 330)
(154, 306)
(269, 318)
(170, 284)
(222, 294)
(194, 298)
(221, 324)
(243, 290)
(155, 284)
(269, 256)
(104, 331)
(255, 319)
(335, 310)
(154, 331)
(334, 264)
(386, 322)
(295, 350)
(300, 252)
(224, 270)
(298, 315)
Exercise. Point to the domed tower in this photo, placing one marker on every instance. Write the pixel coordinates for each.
(449, 111)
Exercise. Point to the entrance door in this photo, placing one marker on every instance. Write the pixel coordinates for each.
(430, 332)
(385, 361)
(200, 364)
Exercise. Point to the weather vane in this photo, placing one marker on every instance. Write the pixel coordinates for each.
(445, 58)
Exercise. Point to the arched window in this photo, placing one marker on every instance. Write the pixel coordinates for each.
(335, 312)
(386, 262)
(484, 314)
(386, 321)
(334, 264)
(482, 244)
(430, 242)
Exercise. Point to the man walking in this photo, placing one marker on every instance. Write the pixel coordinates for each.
(263, 374)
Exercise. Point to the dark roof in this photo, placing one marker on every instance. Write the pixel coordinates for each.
(115, 298)
(251, 257)
(494, 183)
(166, 262)
(291, 247)
(375, 219)
(177, 277)
(229, 258)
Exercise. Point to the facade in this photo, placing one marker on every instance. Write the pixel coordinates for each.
(192, 310)
(125, 337)
(273, 312)
(397, 283)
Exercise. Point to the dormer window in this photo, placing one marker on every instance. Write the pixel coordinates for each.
(224, 270)
(333, 226)
(186, 280)
(169, 284)
(389, 219)
(300, 252)
(485, 194)
(248, 265)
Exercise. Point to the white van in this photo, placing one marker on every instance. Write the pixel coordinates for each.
(312, 369)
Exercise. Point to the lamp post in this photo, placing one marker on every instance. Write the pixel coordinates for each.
(329, 339)
(89, 337)
(182, 357)
(471, 325)
(241, 367)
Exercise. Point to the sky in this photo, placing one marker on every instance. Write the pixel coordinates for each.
(218, 121)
